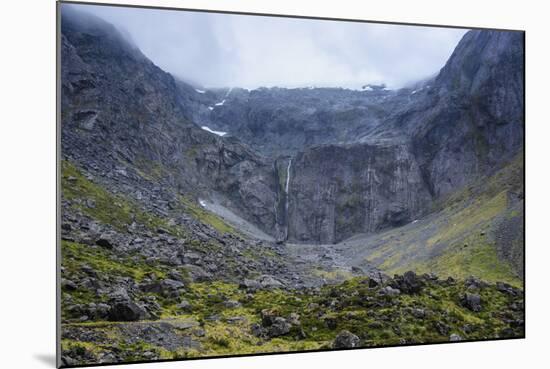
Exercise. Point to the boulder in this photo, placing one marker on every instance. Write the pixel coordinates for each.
(409, 283)
(346, 339)
(250, 284)
(191, 257)
(257, 330)
(126, 310)
(280, 327)
(169, 288)
(269, 282)
(231, 304)
(105, 241)
(418, 313)
(389, 291)
(294, 319)
(441, 328)
(506, 289)
(197, 273)
(474, 283)
(268, 317)
(68, 285)
(471, 301)
(455, 338)
(184, 305)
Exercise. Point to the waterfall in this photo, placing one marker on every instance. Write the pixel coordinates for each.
(287, 196)
(287, 178)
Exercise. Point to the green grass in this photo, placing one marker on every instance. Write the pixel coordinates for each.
(103, 261)
(458, 240)
(350, 305)
(109, 208)
(332, 275)
(206, 217)
(470, 219)
(478, 260)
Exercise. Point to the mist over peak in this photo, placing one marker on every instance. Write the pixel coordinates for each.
(221, 50)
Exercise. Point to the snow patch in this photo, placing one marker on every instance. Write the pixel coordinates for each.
(219, 133)
(210, 108)
(202, 202)
(200, 91)
(220, 103)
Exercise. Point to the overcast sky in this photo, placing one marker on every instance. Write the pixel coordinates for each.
(221, 50)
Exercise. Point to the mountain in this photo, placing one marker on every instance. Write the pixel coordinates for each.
(465, 122)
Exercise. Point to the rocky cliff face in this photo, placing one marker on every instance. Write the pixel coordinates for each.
(307, 165)
(337, 191)
(280, 121)
(469, 120)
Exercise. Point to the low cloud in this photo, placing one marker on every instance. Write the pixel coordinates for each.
(218, 50)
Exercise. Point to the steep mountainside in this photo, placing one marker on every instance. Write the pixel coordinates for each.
(470, 122)
(122, 114)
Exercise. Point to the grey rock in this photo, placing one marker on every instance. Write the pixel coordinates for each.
(68, 285)
(231, 304)
(197, 273)
(236, 319)
(506, 289)
(250, 284)
(455, 337)
(268, 317)
(257, 330)
(409, 283)
(167, 287)
(346, 339)
(184, 305)
(126, 310)
(389, 291)
(418, 313)
(280, 327)
(105, 241)
(471, 301)
(474, 283)
(269, 282)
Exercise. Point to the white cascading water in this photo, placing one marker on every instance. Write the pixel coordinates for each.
(287, 195)
(286, 185)
(288, 176)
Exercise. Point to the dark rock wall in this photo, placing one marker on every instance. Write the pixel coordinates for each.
(337, 191)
